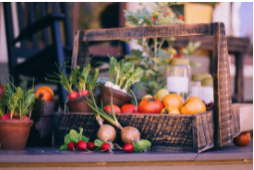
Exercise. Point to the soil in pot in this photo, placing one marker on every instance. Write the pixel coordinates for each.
(119, 98)
(14, 134)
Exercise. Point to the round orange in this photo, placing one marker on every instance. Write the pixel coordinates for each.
(46, 92)
(173, 100)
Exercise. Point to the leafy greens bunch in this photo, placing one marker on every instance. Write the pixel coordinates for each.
(19, 100)
(123, 73)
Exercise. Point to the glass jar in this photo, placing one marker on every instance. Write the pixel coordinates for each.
(195, 89)
(207, 90)
(178, 77)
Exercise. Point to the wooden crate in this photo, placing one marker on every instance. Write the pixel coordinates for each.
(198, 132)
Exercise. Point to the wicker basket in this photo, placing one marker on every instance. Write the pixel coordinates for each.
(167, 132)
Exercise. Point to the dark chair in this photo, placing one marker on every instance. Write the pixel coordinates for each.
(39, 43)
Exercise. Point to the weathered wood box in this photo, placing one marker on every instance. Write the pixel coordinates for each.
(166, 132)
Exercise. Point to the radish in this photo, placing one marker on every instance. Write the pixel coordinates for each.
(128, 148)
(81, 145)
(71, 146)
(105, 147)
(90, 146)
(25, 118)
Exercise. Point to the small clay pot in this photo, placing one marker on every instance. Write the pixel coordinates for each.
(14, 133)
(79, 104)
(119, 98)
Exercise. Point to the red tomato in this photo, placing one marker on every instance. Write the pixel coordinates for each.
(83, 92)
(180, 17)
(128, 108)
(73, 95)
(115, 107)
(150, 105)
(1, 90)
(25, 118)
(243, 139)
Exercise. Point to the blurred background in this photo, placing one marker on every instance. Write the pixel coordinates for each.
(19, 20)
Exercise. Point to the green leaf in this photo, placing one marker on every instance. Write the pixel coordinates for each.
(74, 136)
(141, 145)
(67, 139)
(86, 139)
(64, 147)
(98, 142)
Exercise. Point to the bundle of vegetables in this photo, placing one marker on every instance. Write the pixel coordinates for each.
(76, 83)
(107, 134)
(125, 75)
(18, 100)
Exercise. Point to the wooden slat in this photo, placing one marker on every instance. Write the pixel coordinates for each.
(147, 32)
(222, 107)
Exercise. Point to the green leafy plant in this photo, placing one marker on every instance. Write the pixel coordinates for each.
(19, 100)
(157, 52)
(73, 136)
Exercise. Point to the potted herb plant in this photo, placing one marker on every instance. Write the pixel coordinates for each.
(76, 85)
(15, 125)
(125, 75)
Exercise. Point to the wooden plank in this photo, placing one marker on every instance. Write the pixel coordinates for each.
(239, 77)
(222, 107)
(147, 32)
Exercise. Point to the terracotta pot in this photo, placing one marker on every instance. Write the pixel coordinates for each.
(79, 104)
(14, 134)
(119, 98)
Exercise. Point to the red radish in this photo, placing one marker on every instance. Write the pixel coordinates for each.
(71, 146)
(105, 147)
(128, 148)
(5, 117)
(81, 145)
(115, 108)
(90, 146)
(83, 92)
(180, 17)
(73, 95)
(1, 90)
(25, 118)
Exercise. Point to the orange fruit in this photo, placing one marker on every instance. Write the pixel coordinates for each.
(193, 106)
(46, 92)
(173, 100)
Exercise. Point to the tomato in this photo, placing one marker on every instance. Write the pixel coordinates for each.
(150, 105)
(180, 17)
(243, 139)
(83, 92)
(45, 92)
(73, 95)
(25, 118)
(128, 108)
(115, 108)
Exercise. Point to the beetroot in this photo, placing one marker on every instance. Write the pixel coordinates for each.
(81, 145)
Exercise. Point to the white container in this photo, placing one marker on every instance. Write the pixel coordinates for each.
(178, 77)
(206, 92)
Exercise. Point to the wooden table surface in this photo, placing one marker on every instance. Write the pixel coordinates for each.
(51, 157)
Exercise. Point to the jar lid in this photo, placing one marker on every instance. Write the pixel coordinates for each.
(179, 61)
(207, 82)
(200, 76)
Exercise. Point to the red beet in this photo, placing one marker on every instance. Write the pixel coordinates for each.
(128, 148)
(71, 146)
(90, 146)
(81, 145)
(105, 147)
